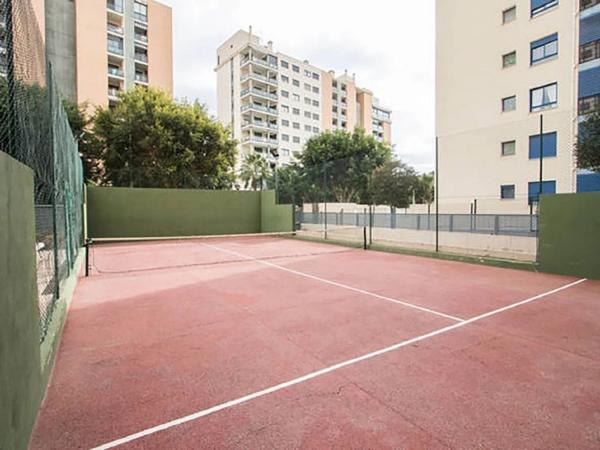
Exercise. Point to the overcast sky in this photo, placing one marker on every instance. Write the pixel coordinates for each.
(389, 44)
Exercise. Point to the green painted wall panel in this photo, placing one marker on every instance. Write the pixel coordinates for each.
(21, 381)
(275, 218)
(136, 212)
(570, 234)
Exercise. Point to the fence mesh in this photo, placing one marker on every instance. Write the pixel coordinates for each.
(34, 129)
(386, 203)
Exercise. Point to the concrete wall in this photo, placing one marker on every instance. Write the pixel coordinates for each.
(60, 45)
(570, 234)
(132, 212)
(160, 46)
(21, 385)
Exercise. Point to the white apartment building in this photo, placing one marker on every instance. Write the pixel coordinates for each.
(274, 102)
(500, 65)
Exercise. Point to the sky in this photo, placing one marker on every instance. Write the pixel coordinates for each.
(388, 44)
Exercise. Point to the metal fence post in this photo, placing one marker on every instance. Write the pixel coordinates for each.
(451, 223)
(497, 224)
(418, 222)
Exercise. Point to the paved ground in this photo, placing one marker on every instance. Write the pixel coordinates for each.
(290, 344)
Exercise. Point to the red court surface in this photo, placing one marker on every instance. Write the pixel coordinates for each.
(264, 342)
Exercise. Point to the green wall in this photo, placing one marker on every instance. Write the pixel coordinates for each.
(138, 212)
(570, 234)
(21, 379)
(275, 218)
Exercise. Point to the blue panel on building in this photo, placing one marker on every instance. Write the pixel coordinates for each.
(548, 187)
(588, 182)
(589, 29)
(549, 145)
(589, 82)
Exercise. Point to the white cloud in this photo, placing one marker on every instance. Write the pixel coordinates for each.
(388, 44)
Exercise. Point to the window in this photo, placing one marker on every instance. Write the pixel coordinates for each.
(284, 64)
(509, 148)
(307, 87)
(315, 103)
(543, 97)
(140, 12)
(295, 68)
(315, 129)
(544, 48)
(307, 100)
(296, 111)
(285, 79)
(509, 15)
(510, 59)
(307, 128)
(507, 191)
(509, 103)
(285, 137)
(296, 97)
(307, 114)
(539, 6)
(548, 187)
(285, 152)
(285, 108)
(315, 116)
(315, 89)
(307, 73)
(549, 141)
(285, 94)
(296, 83)
(296, 140)
(296, 125)
(285, 123)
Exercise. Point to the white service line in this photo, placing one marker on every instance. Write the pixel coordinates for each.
(326, 370)
(335, 283)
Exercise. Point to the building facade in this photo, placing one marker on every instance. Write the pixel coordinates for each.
(501, 66)
(102, 47)
(274, 102)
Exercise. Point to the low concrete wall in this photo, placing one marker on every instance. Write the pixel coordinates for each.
(517, 248)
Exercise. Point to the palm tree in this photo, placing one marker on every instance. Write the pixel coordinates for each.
(255, 170)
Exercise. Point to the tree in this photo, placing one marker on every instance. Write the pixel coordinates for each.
(588, 143)
(393, 184)
(425, 189)
(255, 171)
(149, 140)
(340, 164)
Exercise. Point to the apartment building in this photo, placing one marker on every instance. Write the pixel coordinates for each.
(501, 65)
(275, 102)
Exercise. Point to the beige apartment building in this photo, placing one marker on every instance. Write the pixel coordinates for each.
(501, 64)
(275, 102)
(99, 48)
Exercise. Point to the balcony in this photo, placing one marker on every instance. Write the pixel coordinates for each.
(115, 72)
(258, 77)
(115, 6)
(143, 38)
(260, 140)
(589, 105)
(260, 124)
(140, 17)
(260, 62)
(258, 93)
(114, 49)
(114, 29)
(141, 57)
(141, 78)
(259, 108)
(589, 52)
(113, 93)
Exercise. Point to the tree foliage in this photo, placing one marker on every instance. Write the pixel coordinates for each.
(393, 184)
(425, 189)
(254, 171)
(588, 143)
(149, 140)
(340, 164)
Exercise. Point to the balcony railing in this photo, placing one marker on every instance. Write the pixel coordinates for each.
(261, 139)
(141, 38)
(116, 72)
(589, 105)
(115, 49)
(261, 62)
(140, 17)
(589, 51)
(115, 5)
(259, 108)
(256, 76)
(142, 78)
(260, 124)
(141, 57)
(113, 92)
(381, 114)
(586, 4)
(114, 29)
(259, 92)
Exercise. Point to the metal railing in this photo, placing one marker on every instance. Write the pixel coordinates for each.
(259, 92)
(141, 57)
(140, 17)
(256, 76)
(141, 38)
(115, 5)
(497, 224)
(589, 105)
(115, 49)
(114, 29)
(116, 72)
(586, 4)
(589, 51)
(259, 108)
(143, 78)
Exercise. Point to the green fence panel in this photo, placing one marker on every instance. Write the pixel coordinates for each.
(274, 217)
(570, 234)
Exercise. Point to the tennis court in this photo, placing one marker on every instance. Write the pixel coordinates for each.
(271, 342)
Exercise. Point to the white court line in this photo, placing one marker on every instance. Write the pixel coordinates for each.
(336, 284)
(326, 370)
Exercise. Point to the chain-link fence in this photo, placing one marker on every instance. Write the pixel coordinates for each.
(381, 204)
(34, 129)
